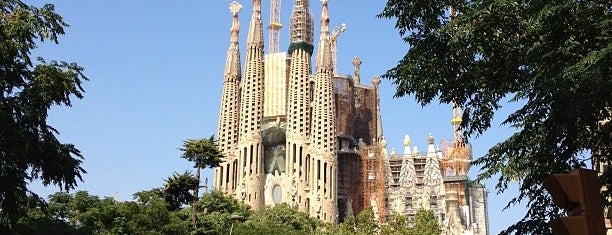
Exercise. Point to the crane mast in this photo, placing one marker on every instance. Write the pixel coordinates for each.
(275, 26)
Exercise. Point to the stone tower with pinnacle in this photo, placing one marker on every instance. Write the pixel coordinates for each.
(250, 147)
(298, 102)
(226, 175)
(323, 131)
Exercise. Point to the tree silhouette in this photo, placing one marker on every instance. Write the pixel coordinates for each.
(203, 153)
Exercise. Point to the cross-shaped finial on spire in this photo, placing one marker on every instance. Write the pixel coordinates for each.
(235, 7)
(324, 1)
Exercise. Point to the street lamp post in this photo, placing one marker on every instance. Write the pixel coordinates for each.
(235, 218)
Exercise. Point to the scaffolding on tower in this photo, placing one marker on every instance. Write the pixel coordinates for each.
(373, 180)
(457, 158)
(300, 24)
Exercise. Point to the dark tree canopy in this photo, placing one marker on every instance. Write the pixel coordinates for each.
(552, 58)
(178, 189)
(202, 152)
(29, 149)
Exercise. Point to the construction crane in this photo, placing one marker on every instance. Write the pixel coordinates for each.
(275, 26)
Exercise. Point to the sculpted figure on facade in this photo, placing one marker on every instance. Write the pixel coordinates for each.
(399, 204)
(425, 201)
(374, 206)
(294, 192)
(268, 183)
(243, 190)
(318, 205)
(275, 159)
(349, 206)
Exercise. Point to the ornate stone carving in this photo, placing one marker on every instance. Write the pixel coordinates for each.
(294, 192)
(243, 190)
(399, 204)
(356, 62)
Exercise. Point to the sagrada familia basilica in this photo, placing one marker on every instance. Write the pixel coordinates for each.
(313, 138)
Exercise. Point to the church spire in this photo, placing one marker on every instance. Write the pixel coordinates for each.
(323, 131)
(255, 35)
(227, 128)
(232, 64)
(325, 17)
(250, 156)
(251, 110)
(324, 47)
(299, 96)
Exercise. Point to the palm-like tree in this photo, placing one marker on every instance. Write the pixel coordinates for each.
(178, 189)
(203, 153)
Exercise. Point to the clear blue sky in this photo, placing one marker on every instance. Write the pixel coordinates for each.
(156, 74)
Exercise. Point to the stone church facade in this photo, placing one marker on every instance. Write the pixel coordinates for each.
(312, 138)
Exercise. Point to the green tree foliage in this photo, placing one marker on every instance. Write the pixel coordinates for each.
(551, 57)
(214, 211)
(216, 201)
(37, 221)
(366, 222)
(398, 224)
(425, 223)
(29, 149)
(148, 213)
(82, 213)
(284, 215)
(345, 228)
(203, 153)
(178, 189)
(280, 219)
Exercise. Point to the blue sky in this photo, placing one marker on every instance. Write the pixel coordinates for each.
(156, 74)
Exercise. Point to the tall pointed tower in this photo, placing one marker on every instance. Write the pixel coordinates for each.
(227, 132)
(250, 148)
(298, 162)
(323, 132)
